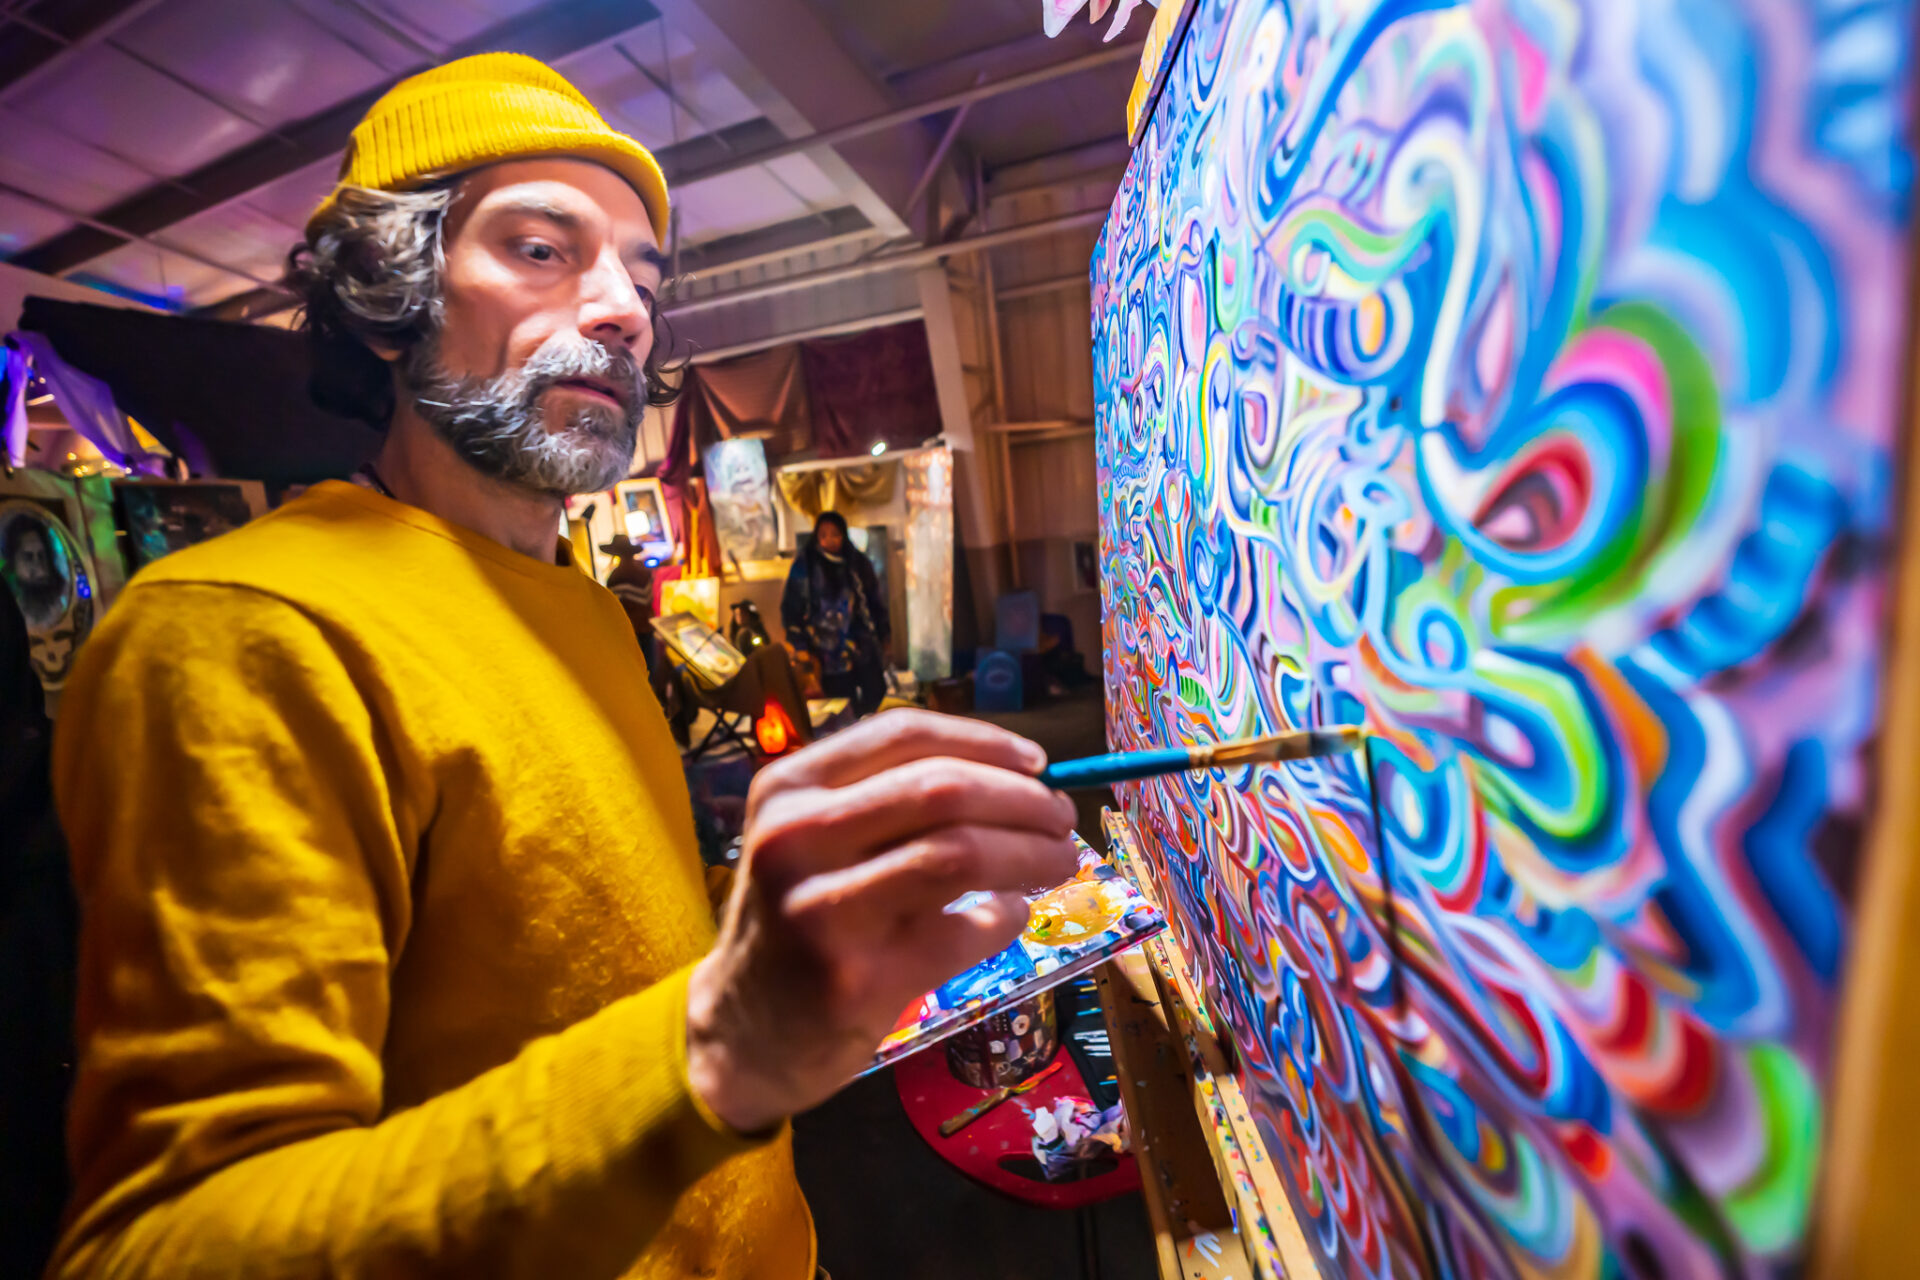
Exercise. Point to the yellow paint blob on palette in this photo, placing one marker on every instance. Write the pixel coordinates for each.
(1074, 912)
(1071, 928)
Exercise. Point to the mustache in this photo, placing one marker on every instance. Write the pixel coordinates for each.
(498, 426)
(562, 359)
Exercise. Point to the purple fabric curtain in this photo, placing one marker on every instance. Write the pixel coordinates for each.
(833, 396)
(674, 469)
(876, 385)
(13, 376)
(678, 474)
(764, 392)
(85, 402)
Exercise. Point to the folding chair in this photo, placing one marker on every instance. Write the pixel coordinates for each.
(738, 690)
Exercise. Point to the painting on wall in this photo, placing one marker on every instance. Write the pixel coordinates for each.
(1520, 380)
(742, 497)
(160, 517)
(43, 566)
(642, 506)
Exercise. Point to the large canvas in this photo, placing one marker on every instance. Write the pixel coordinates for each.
(1520, 379)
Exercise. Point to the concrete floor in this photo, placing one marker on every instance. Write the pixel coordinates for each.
(886, 1206)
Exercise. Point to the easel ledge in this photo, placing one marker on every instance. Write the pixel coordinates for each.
(1863, 1208)
(1266, 1235)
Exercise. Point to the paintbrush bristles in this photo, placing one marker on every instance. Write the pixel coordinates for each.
(1297, 745)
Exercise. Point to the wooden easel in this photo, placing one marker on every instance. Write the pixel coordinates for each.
(1213, 1196)
(1864, 1221)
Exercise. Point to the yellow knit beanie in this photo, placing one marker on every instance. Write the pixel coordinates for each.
(481, 110)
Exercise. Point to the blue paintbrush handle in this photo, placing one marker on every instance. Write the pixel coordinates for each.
(1121, 766)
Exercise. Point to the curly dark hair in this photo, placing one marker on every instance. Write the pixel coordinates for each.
(371, 272)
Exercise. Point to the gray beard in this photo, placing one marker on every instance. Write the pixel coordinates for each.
(498, 425)
(42, 602)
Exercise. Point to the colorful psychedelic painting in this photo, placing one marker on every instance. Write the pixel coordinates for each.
(1519, 379)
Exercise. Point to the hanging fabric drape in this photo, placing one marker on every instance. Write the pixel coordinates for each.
(872, 386)
(13, 378)
(831, 398)
(842, 489)
(84, 401)
(763, 393)
(677, 465)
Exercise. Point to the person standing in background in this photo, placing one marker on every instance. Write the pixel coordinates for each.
(832, 609)
(631, 582)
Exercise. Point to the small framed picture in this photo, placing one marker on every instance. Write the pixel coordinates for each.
(42, 564)
(1086, 566)
(162, 516)
(642, 516)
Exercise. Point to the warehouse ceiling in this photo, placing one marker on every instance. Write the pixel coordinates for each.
(169, 150)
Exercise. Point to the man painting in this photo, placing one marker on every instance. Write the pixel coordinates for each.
(395, 956)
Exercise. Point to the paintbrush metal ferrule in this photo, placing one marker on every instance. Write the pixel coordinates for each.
(1295, 745)
(1130, 766)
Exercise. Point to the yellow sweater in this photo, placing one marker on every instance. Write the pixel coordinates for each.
(389, 898)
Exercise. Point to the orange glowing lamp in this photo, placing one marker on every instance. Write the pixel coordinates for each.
(774, 730)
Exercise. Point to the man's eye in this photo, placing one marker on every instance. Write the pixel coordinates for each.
(540, 252)
(647, 298)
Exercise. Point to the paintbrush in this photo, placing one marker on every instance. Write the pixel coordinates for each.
(1129, 766)
(955, 1124)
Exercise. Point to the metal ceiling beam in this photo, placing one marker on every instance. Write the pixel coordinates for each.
(790, 64)
(678, 107)
(87, 221)
(744, 252)
(959, 70)
(939, 156)
(905, 115)
(1059, 284)
(776, 243)
(838, 329)
(37, 45)
(892, 262)
(1089, 161)
(551, 33)
(380, 21)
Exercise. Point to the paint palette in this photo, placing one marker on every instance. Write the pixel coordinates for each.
(1073, 927)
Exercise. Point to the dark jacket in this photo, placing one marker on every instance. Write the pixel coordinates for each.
(834, 610)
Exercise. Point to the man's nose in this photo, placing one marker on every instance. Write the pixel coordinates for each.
(611, 309)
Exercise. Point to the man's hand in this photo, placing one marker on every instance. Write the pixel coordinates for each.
(853, 849)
